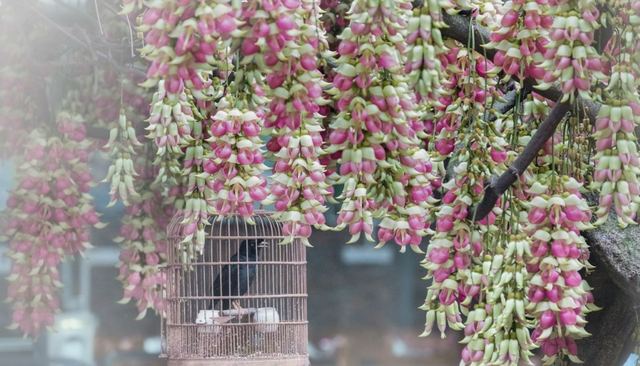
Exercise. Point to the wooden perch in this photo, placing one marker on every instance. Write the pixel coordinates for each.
(234, 312)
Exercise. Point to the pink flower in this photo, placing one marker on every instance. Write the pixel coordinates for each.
(444, 224)
(285, 23)
(498, 156)
(510, 18)
(439, 255)
(547, 319)
(387, 61)
(568, 316)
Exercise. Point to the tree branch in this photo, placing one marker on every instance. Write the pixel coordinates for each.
(497, 186)
(87, 45)
(459, 27)
(511, 98)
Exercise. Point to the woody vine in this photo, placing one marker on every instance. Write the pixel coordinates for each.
(496, 139)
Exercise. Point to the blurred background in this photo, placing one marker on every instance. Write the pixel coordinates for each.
(363, 305)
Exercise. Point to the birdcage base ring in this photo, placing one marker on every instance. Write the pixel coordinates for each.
(285, 361)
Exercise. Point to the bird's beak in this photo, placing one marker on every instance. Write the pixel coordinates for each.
(263, 245)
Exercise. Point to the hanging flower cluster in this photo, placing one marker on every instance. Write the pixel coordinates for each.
(384, 171)
(169, 126)
(234, 165)
(617, 164)
(295, 89)
(198, 189)
(334, 19)
(469, 89)
(426, 65)
(521, 263)
(121, 174)
(558, 297)
(478, 269)
(464, 261)
(181, 41)
(521, 37)
(571, 57)
(49, 213)
(236, 162)
(143, 241)
(496, 329)
(457, 244)
(182, 44)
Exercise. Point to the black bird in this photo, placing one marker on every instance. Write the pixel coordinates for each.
(235, 279)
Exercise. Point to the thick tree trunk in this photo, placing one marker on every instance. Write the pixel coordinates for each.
(616, 280)
(610, 327)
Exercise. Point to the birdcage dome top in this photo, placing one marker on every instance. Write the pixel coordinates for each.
(261, 224)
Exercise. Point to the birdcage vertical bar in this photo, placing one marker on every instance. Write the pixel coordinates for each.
(163, 322)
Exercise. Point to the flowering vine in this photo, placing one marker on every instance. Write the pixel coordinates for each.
(384, 171)
(122, 141)
(295, 91)
(617, 165)
(558, 297)
(142, 238)
(49, 211)
(509, 108)
(571, 57)
(236, 165)
(521, 38)
(426, 64)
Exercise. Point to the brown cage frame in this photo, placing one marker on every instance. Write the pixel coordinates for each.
(273, 328)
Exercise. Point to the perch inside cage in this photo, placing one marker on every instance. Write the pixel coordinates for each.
(241, 299)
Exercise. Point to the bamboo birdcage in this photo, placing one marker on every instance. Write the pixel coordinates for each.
(271, 326)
